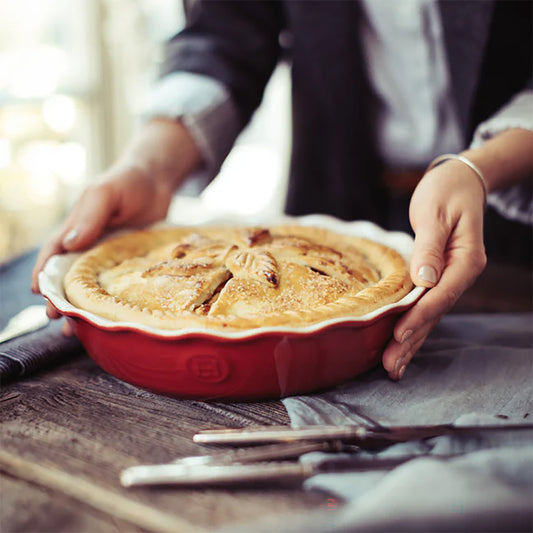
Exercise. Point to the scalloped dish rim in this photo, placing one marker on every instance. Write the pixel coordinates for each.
(52, 276)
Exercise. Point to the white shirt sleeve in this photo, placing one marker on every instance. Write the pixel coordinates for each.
(516, 202)
(206, 109)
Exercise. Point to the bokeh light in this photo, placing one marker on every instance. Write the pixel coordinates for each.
(34, 72)
(59, 112)
(5, 152)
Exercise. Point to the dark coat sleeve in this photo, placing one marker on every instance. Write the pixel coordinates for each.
(508, 60)
(235, 42)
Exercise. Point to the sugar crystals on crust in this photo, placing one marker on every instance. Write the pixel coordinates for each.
(236, 278)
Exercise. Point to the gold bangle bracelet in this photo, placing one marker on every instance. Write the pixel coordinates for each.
(446, 157)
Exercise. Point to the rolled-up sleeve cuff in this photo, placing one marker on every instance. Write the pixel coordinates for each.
(205, 108)
(516, 202)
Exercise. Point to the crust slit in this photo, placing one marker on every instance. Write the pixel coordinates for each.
(227, 277)
(204, 307)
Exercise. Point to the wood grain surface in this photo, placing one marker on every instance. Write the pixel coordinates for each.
(67, 434)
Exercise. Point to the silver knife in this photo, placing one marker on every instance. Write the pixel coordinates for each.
(266, 472)
(359, 435)
(29, 319)
(269, 452)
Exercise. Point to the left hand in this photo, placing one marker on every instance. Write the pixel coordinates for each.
(446, 214)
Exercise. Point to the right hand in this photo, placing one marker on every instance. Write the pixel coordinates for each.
(135, 192)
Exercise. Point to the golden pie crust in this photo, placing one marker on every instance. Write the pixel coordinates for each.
(235, 278)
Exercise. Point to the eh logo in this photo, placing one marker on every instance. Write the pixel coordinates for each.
(208, 368)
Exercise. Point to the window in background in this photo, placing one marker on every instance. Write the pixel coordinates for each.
(71, 74)
(73, 77)
(48, 85)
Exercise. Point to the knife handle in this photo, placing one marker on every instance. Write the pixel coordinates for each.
(188, 476)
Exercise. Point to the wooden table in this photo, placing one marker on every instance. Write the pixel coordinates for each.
(67, 433)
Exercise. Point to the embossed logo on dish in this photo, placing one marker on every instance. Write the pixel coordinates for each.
(208, 368)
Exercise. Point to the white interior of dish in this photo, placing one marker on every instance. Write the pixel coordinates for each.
(51, 279)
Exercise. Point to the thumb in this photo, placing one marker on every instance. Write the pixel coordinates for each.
(427, 261)
(89, 218)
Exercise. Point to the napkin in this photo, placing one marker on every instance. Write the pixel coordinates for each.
(36, 351)
(473, 369)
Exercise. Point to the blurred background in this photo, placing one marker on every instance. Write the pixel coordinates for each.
(74, 75)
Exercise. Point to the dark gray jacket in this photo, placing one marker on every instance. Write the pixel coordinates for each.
(335, 168)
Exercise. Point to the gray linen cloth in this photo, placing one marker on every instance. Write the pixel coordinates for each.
(36, 352)
(33, 352)
(472, 369)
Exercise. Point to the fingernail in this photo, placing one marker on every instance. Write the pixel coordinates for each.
(427, 273)
(399, 364)
(406, 335)
(70, 236)
(401, 372)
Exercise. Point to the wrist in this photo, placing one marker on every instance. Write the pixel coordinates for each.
(165, 150)
(504, 159)
(465, 164)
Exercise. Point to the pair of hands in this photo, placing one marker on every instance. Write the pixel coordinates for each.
(446, 214)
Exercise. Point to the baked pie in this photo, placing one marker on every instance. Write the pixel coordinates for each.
(235, 278)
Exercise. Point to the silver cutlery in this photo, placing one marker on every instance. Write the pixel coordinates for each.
(263, 472)
(269, 452)
(268, 445)
(364, 437)
(29, 319)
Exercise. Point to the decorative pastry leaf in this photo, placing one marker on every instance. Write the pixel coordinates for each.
(254, 265)
(322, 259)
(236, 278)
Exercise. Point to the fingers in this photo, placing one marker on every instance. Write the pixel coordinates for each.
(126, 195)
(53, 314)
(429, 248)
(88, 218)
(427, 265)
(398, 355)
(463, 259)
(52, 247)
(51, 311)
(67, 329)
(82, 227)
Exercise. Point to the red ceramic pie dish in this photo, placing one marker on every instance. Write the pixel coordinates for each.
(253, 364)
